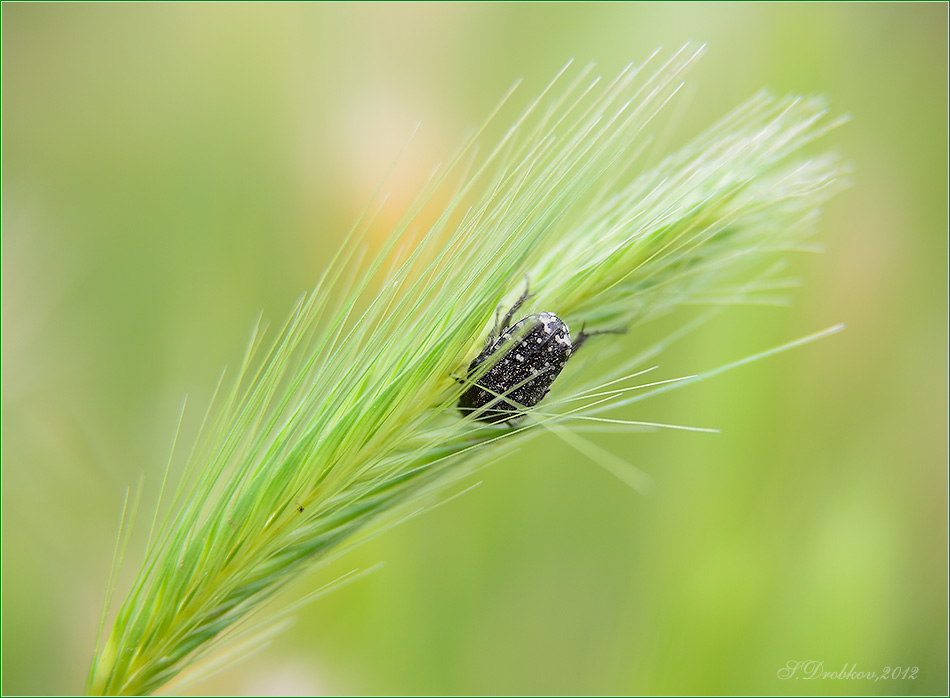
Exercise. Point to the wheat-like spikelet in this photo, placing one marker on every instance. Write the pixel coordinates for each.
(351, 410)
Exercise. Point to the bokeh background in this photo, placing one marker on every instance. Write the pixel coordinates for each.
(169, 171)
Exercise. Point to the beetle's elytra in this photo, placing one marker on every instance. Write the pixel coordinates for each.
(536, 348)
(522, 377)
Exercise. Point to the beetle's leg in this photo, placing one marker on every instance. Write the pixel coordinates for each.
(502, 324)
(584, 334)
(495, 331)
(506, 321)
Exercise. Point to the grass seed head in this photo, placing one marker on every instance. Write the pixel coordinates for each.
(350, 412)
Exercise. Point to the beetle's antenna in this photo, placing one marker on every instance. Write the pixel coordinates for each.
(583, 335)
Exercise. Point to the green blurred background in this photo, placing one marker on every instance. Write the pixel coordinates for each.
(171, 170)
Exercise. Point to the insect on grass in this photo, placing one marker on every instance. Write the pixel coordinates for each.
(350, 414)
(523, 361)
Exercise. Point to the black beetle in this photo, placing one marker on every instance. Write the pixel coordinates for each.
(537, 348)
